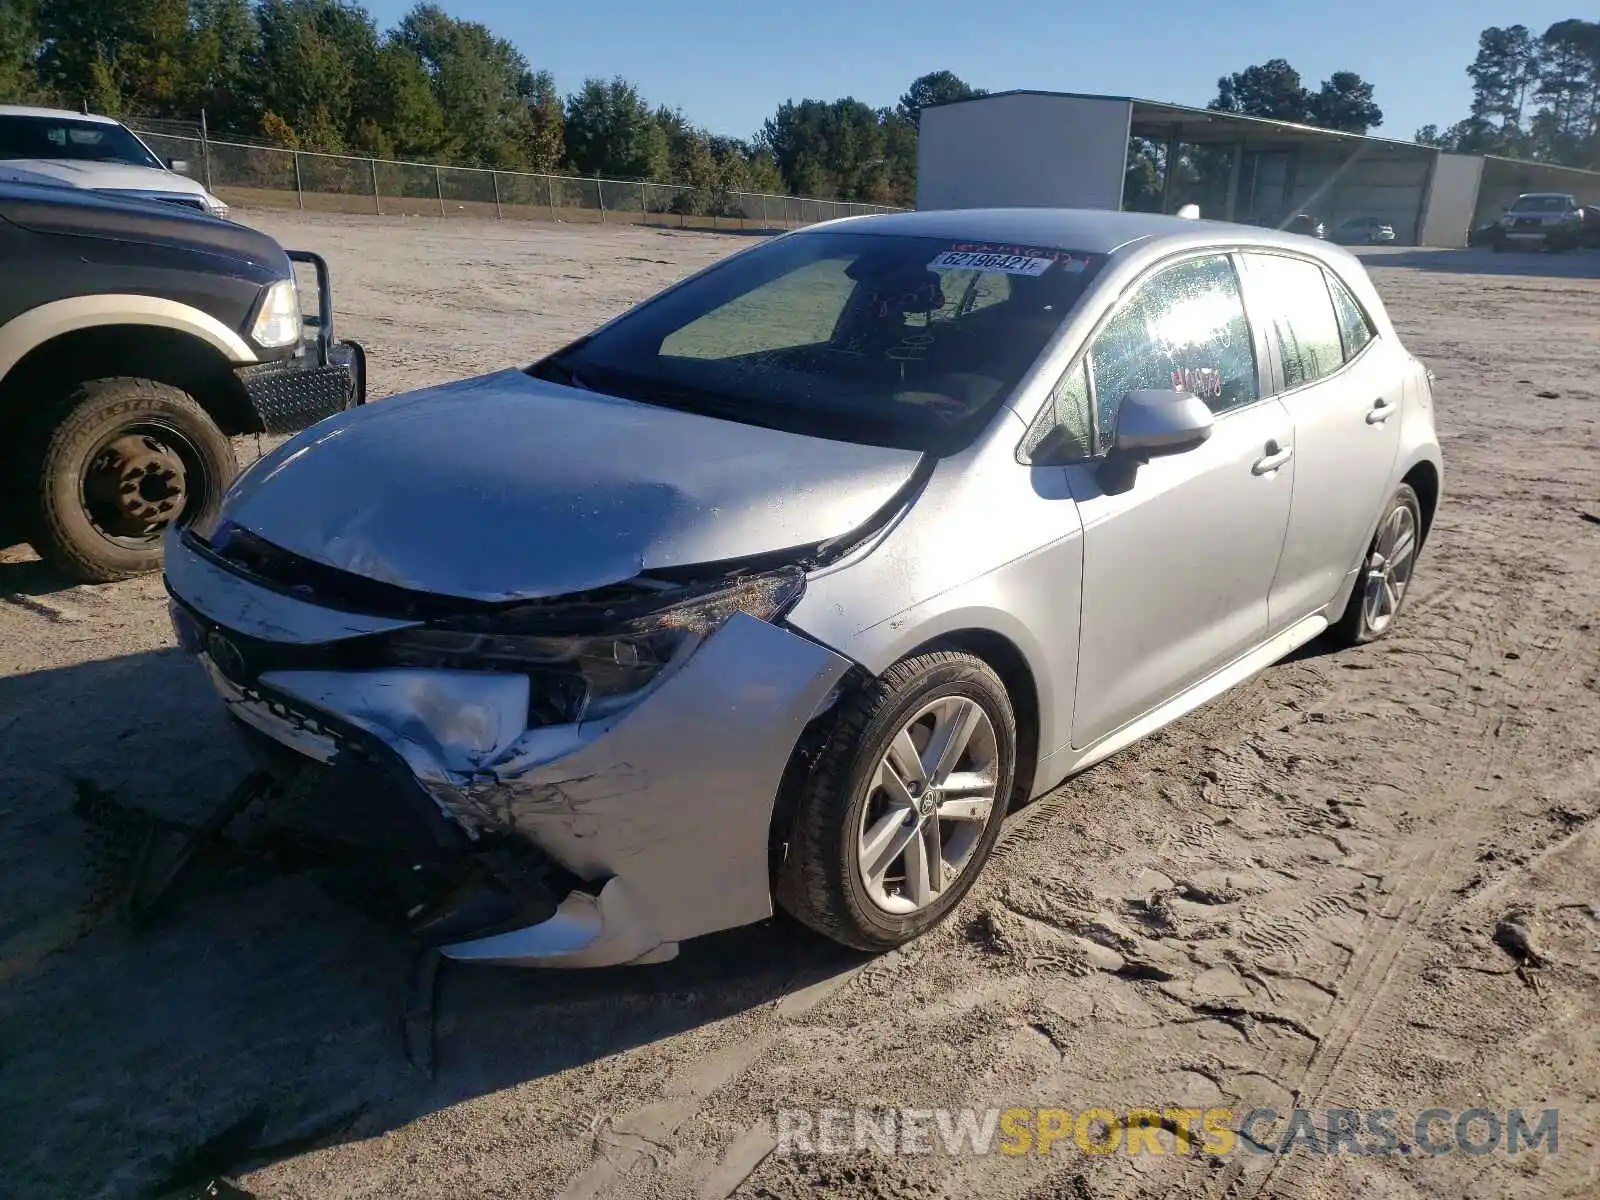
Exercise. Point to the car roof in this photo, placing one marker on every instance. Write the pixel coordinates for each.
(1089, 231)
(58, 114)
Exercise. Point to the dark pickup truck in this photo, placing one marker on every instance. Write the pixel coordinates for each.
(1546, 221)
(135, 339)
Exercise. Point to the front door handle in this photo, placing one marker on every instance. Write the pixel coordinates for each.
(1275, 458)
(1380, 412)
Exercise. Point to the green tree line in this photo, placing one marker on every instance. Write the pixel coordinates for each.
(1273, 90)
(1535, 97)
(320, 75)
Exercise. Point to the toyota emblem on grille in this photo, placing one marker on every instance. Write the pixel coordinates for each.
(227, 656)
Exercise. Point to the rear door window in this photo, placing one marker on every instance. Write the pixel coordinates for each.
(1294, 301)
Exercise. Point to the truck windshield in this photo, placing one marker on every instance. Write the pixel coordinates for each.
(64, 138)
(898, 341)
(1542, 204)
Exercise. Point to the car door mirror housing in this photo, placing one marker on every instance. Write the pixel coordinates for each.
(178, 165)
(1153, 424)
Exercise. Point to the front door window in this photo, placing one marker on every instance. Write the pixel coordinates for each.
(1184, 330)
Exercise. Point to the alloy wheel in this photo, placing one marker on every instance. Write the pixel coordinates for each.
(1394, 553)
(928, 805)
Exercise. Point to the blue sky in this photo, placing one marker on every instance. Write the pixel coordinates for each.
(729, 65)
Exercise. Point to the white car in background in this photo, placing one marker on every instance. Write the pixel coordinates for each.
(66, 149)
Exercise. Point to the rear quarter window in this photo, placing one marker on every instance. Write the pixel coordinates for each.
(1355, 327)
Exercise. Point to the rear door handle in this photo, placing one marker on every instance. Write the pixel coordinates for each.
(1275, 458)
(1380, 412)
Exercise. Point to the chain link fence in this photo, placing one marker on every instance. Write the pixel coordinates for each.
(270, 177)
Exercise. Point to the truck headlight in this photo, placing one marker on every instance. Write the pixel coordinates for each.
(278, 322)
(609, 661)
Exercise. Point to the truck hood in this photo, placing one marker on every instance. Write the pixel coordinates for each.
(100, 176)
(505, 487)
(46, 206)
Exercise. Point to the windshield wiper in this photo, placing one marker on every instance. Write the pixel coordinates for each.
(704, 404)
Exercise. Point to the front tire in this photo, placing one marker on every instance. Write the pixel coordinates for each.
(905, 803)
(1385, 576)
(114, 462)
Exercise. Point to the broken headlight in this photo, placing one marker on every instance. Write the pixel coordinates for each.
(615, 653)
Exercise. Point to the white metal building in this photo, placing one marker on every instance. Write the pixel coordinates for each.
(1058, 149)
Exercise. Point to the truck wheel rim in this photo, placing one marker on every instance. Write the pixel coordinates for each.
(927, 805)
(138, 480)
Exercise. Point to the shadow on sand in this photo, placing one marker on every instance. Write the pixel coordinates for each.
(260, 1003)
(1574, 264)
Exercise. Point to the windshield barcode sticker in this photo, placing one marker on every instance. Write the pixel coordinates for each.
(984, 260)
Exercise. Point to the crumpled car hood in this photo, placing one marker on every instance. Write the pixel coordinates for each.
(506, 487)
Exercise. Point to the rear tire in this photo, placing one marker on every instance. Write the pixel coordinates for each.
(1371, 612)
(113, 462)
(822, 881)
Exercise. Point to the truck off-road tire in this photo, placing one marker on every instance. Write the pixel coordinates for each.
(109, 465)
(891, 833)
(1386, 571)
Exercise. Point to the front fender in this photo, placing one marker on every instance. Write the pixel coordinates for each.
(28, 331)
(1032, 602)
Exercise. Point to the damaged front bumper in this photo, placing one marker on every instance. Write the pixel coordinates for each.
(603, 842)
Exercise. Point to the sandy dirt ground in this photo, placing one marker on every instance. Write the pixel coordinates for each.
(1291, 897)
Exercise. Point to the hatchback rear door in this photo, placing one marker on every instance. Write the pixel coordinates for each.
(1337, 381)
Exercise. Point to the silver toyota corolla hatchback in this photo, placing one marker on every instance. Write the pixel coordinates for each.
(784, 585)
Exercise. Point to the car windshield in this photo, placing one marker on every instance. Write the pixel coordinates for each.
(64, 138)
(1541, 204)
(896, 341)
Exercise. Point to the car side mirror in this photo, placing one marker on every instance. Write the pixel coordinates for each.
(1153, 424)
(180, 165)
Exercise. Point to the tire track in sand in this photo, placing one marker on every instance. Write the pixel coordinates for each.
(1488, 739)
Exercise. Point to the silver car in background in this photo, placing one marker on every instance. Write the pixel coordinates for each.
(786, 584)
(1363, 231)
